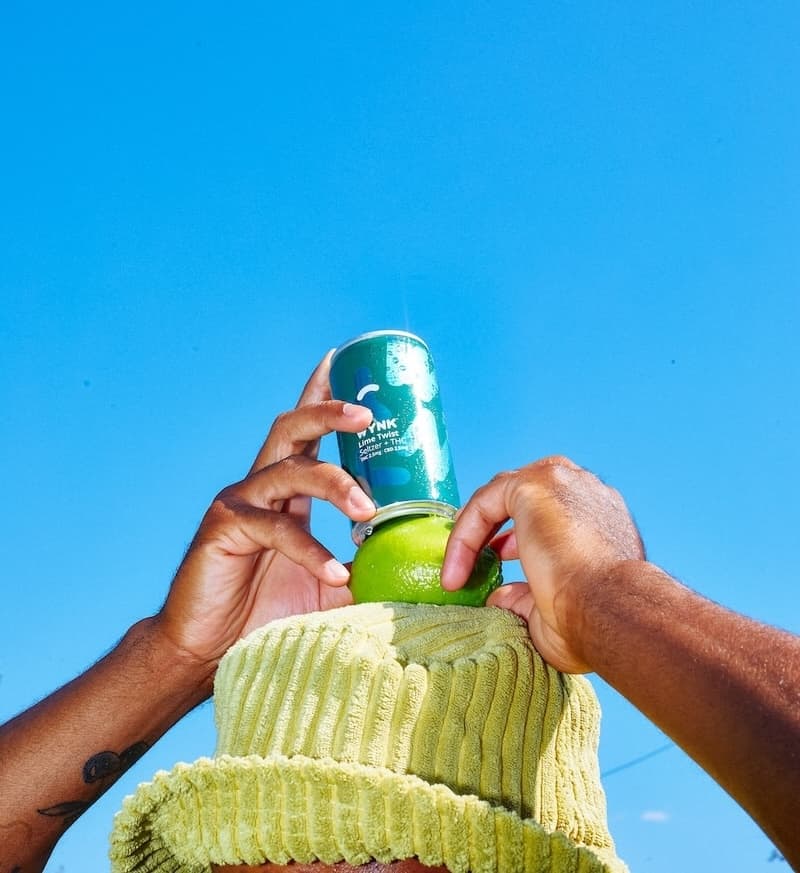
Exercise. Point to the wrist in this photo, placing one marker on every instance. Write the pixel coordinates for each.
(187, 679)
(599, 602)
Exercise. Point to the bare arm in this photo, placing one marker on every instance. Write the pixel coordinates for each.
(58, 757)
(724, 687)
(253, 559)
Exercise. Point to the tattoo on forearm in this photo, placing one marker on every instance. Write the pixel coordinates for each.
(97, 769)
(69, 811)
(105, 764)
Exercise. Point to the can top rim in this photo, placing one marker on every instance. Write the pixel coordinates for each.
(392, 511)
(372, 334)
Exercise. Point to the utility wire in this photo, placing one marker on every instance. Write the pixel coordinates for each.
(638, 760)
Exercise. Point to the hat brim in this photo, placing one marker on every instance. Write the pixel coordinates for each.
(248, 810)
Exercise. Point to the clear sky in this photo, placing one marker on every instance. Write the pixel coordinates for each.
(589, 210)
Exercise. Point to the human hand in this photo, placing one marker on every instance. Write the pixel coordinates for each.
(253, 558)
(570, 531)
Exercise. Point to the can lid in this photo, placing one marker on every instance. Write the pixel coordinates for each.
(372, 334)
(362, 529)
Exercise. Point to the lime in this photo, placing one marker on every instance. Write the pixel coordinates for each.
(402, 561)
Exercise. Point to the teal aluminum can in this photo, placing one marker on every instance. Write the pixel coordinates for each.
(402, 460)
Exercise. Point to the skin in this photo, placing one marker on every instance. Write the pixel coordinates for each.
(727, 689)
(723, 687)
(252, 560)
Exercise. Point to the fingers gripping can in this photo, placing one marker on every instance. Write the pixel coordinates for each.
(402, 460)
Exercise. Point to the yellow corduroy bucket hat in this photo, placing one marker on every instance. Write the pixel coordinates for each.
(384, 731)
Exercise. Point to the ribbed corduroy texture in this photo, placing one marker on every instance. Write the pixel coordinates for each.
(384, 731)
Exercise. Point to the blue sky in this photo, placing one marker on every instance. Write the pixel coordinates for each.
(589, 211)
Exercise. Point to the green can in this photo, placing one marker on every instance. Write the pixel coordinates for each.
(402, 460)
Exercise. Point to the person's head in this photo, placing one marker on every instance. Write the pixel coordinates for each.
(429, 735)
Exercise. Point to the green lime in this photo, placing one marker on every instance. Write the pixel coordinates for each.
(402, 561)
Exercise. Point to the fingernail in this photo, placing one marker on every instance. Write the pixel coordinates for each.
(354, 411)
(336, 571)
(359, 500)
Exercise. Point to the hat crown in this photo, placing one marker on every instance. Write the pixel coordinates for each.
(384, 731)
(454, 695)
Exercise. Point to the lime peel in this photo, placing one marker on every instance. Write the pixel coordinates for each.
(402, 562)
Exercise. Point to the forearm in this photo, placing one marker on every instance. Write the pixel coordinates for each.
(725, 688)
(58, 757)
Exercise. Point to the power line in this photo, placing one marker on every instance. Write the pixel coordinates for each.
(638, 760)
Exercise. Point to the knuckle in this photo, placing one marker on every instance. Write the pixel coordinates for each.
(486, 517)
(556, 472)
(340, 482)
(287, 466)
(329, 483)
(282, 425)
(501, 482)
(331, 409)
(222, 509)
(292, 465)
(617, 498)
(282, 526)
(558, 461)
(310, 551)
